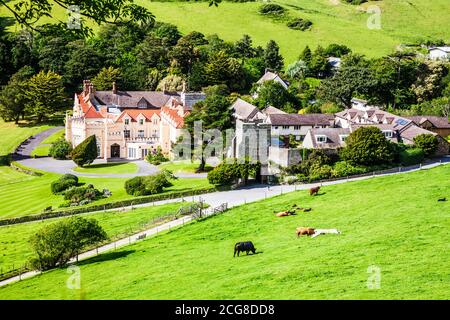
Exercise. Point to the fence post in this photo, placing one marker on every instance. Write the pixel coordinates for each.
(399, 169)
(420, 166)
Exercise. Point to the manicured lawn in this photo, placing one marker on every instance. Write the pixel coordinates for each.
(401, 22)
(54, 137)
(21, 194)
(394, 223)
(182, 166)
(14, 240)
(43, 149)
(106, 168)
(12, 135)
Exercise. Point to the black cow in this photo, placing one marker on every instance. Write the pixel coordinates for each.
(246, 246)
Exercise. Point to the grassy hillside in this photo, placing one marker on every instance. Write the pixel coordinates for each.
(394, 223)
(14, 240)
(402, 21)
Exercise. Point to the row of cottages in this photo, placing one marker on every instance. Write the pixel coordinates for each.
(275, 137)
(395, 128)
(129, 124)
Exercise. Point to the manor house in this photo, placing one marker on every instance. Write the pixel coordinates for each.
(129, 124)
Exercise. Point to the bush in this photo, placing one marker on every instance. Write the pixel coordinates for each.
(228, 172)
(271, 9)
(427, 142)
(368, 146)
(344, 169)
(135, 186)
(63, 183)
(156, 157)
(299, 24)
(412, 156)
(55, 244)
(60, 149)
(69, 176)
(85, 152)
(320, 172)
(142, 186)
(76, 195)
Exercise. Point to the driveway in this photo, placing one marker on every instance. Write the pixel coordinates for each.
(25, 149)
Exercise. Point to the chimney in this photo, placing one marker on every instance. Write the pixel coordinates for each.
(91, 88)
(164, 88)
(114, 88)
(85, 87)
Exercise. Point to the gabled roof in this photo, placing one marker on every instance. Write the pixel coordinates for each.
(134, 114)
(268, 76)
(92, 113)
(245, 111)
(301, 119)
(333, 137)
(173, 115)
(272, 110)
(437, 122)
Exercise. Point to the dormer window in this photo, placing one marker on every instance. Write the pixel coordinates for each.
(321, 139)
(141, 121)
(388, 133)
(127, 121)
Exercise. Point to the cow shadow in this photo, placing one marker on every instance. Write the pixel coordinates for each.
(250, 254)
(106, 257)
(320, 194)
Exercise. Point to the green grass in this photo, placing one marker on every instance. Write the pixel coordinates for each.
(41, 151)
(54, 137)
(393, 222)
(109, 168)
(402, 22)
(44, 147)
(21, 194)
(15, 249)
(182, 166)
(12, 135)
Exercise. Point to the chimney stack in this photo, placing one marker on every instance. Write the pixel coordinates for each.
(114, 88)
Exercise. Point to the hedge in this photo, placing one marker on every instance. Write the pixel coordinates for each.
(106, 206)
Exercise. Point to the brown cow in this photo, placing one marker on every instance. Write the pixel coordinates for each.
(304, 231)
(314, 191)
(285, 213)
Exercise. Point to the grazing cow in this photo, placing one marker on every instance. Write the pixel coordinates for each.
(246, 246)
(304, 231)
(314, 191)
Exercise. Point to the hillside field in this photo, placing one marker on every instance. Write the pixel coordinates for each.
(393, 223)
(402, 21)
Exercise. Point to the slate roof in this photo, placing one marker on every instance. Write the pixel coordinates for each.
(333, 137)
(437, 122)
(313, 119)
(130, 99)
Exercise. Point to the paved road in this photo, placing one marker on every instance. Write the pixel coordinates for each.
(25, 149)
(232, 198)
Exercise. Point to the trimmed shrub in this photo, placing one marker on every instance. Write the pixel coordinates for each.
(85, 152)
(69, 176)
(427, 142)
(411, 156)
(135, 186)
(78, 194)
(63, 183)
(142, 186)
(223, 174)
(299, 24)
(60, 149)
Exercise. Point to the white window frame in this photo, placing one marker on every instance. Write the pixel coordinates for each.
(319, 137)
(388, 133)
(343, 137)
(141, 133)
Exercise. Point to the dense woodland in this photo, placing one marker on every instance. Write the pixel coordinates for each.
(41, 67)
